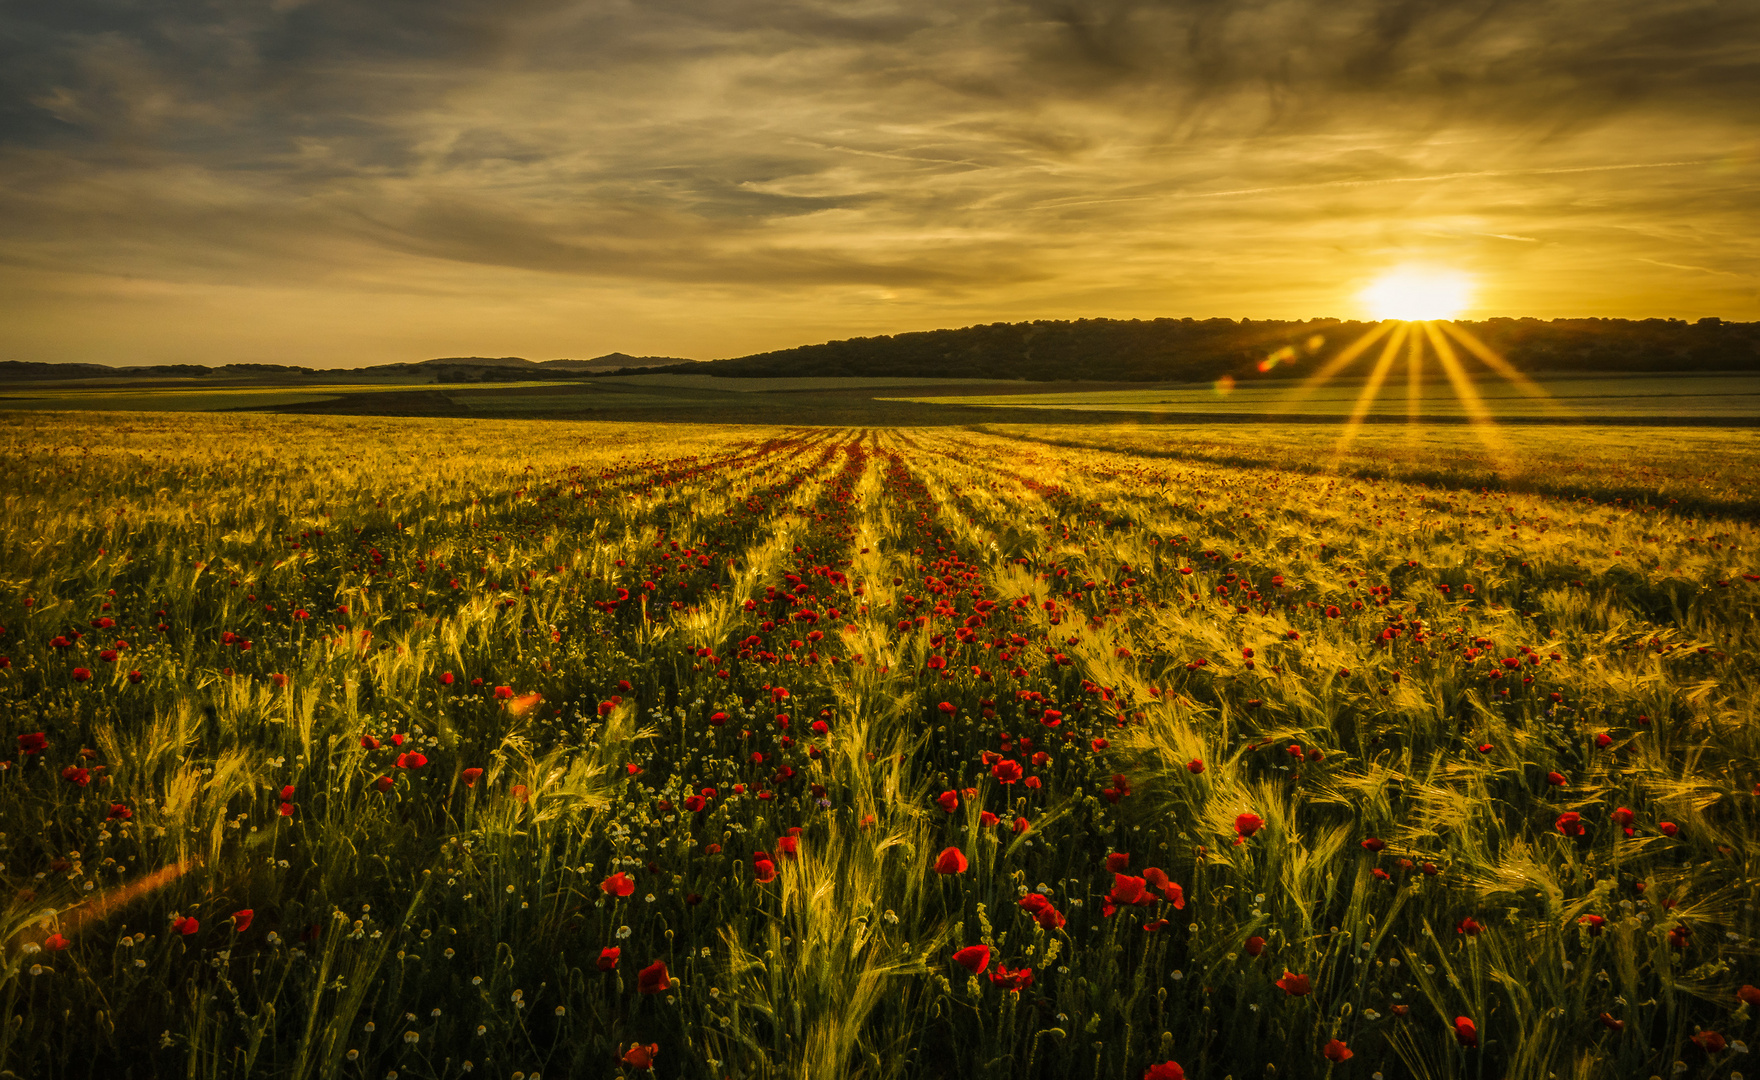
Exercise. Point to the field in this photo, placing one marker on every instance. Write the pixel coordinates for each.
(405, 747)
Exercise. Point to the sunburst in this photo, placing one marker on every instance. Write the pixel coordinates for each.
(1416, 306)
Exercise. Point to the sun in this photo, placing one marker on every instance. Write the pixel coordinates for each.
(1415, 293)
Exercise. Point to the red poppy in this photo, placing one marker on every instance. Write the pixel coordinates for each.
(76, 775)
(948, 801)
(80, 674)
(789, 846)
(641, 1057)
(369, 743)
(1374, 845)
(1603, 740)
(502, 693)
(55, 943)
(241, 919)
(1571, 824)
(118, 812)
(1255, 945)
(764, 870)
(384, 783)
(471, 776)
(34, 742)
(1017, 979)
(411, 760)
(1466, 1032)
(695, 803)
(1194, 766)
(1118, 861)
(653, 979)
(1594, 923)
(1336, 1051)
(1711, 1042)
(947, 707)
(1556, 779)
(1247, 824)
(1668, 828)
(974, 958)
(608, 957)
(1748, 995)
(988, 820)
(1469, 926)
(186, 925)
(618, 884)
(285, 809)
(1126, 889)
(1022, 825)
(951, 861)
(1006, 772)
(1167, 1070)
(1294, 985)
(446, 678)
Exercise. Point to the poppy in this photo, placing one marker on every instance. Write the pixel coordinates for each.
(1374, 846)
(948, 801)
(384, 783)
(1466, 1032)
(1247, 824)
(1556, 779)
(1336, 1051)
(446, 678)
(1017, 979)
(1571, 824)
(1469, 926)
(608, 957)
(33, 743)
(695, 803)
(502, 693)
(1711, 1042)
(1748, 995)
(618, 884)
(80, 674)
(1006, 772)
(789, 846)
(1255, 945)
(1126, 889)
(641, 1057)
(55, 943)
(76, 775)
(241, 919)
(1118, 861)
(1295, 985)
(951, 861)
(369, 743)
(186, 925)
(764, 870)
(118, 812)
(1603, 740)
(1668, 828)
(974, 958)
(285, 809)
(1594, 923)
(470, 777)
(1194, 766)
(411, 760)
(653, 979)
(988, 820)
(521, 793)
(1167, 1070)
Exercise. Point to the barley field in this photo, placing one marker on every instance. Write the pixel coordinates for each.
(410, 748)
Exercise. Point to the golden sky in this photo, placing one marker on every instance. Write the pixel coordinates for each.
(338, 183)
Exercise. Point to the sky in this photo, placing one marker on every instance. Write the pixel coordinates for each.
(335, 183)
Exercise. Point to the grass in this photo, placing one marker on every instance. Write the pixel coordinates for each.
(737, 692)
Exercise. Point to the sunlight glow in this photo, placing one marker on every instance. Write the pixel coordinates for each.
(1415, 293)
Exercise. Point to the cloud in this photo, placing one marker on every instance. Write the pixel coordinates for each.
(782, 166)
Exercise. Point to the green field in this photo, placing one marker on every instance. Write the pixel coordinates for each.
(1727, 397)
(366, 747)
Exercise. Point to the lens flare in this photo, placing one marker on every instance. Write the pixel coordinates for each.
(1416, 293)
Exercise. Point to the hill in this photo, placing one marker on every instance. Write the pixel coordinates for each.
(1156, 350)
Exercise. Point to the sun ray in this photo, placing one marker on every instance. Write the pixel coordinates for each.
(1372, 388)
(1507, 370)
(1478, 415)
(1414, 379)
(1333, 367)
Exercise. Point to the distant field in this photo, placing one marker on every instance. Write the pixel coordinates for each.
(189, 396)
(1732, 396)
